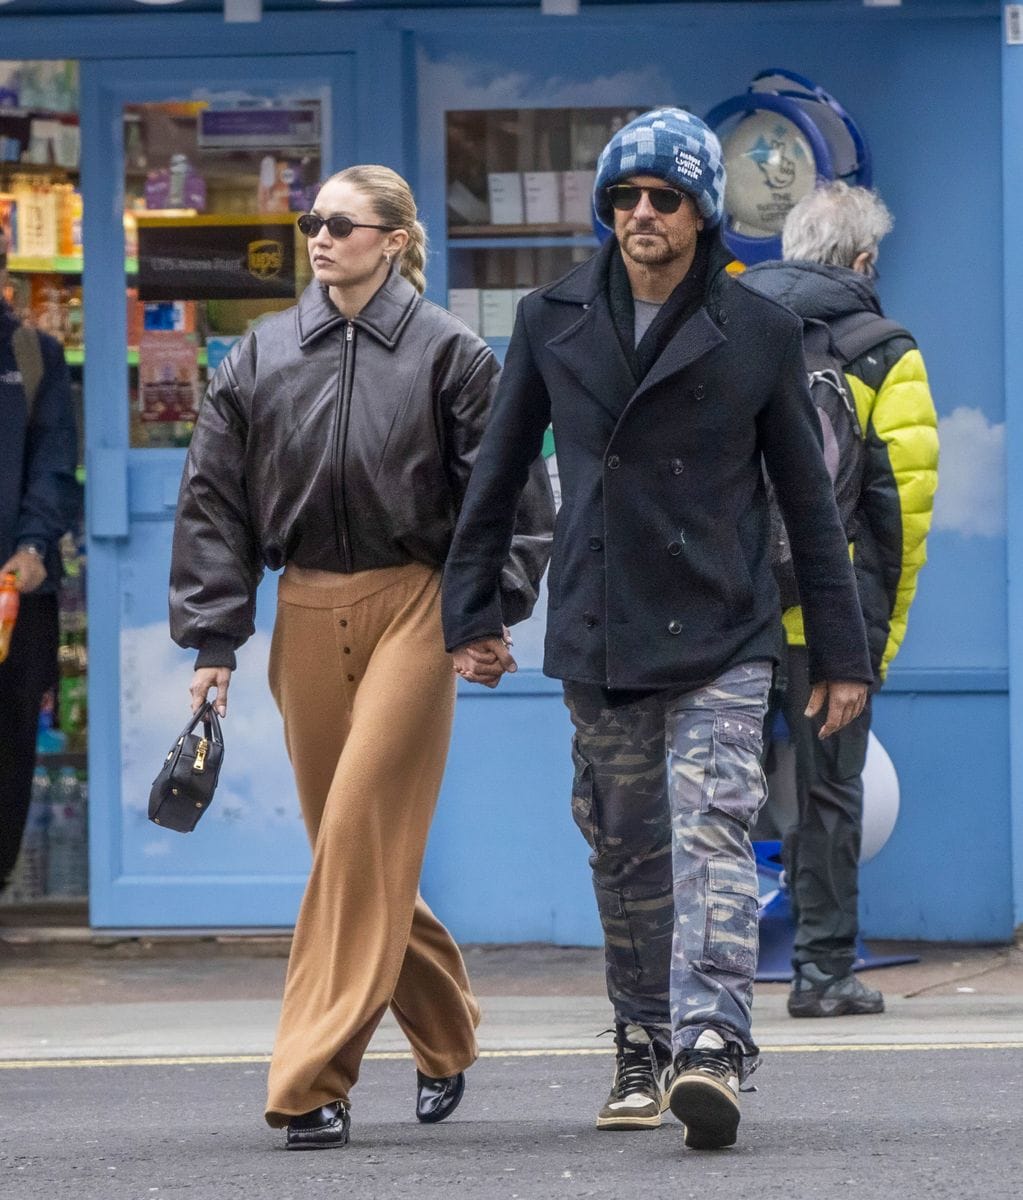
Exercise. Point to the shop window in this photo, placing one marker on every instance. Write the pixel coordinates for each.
(41, 218)
(519, 183)
(212, 188)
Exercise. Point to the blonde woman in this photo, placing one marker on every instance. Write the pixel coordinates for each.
(336, 441)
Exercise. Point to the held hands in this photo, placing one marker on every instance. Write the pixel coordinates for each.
(845, 703)
(485, 660)
(29, 568)
(206, 678)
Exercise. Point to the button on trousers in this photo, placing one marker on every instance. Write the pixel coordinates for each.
(366, 690)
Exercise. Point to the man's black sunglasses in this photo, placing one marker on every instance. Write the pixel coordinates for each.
(625, 197)
(338, 227)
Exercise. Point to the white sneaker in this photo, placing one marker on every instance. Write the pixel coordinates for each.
(639, 1088)
(705, 1092)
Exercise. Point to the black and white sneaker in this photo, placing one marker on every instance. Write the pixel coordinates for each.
(639, 1089)
(704, 1094)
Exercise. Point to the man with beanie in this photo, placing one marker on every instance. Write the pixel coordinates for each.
(830, 243)
(39, 499)
(667, 383)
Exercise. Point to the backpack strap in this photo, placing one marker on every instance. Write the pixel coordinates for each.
(29, 357)
(853, 335)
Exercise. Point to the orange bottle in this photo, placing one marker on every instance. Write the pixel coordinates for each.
(9, 599)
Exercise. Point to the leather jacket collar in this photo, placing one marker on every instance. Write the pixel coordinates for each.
(384, 317)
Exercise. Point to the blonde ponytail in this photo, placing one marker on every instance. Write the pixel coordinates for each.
(394, 205)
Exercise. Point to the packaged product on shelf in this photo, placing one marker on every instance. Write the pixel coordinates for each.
(9, 220)
(283, 186)
(48, 739)
(542, 202)
(73, 699)
(50, 84)
(504, 189)
(28, 879)
(178, 185)
(464, 303)
(66, 842)
(497, 307)
(45, 139)
(37, 222)
(577, 198)
(74, 321)
(10, 83)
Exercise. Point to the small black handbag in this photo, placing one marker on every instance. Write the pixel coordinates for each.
(183, 790)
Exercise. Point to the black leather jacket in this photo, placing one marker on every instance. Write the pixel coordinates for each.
(341, 446)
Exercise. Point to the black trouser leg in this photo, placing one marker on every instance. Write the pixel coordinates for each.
(822, 852)
(30, 668)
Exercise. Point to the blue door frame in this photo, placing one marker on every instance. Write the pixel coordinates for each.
(246, 863)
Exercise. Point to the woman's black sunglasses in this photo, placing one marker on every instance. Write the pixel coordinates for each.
(625, 197)
(338, 227)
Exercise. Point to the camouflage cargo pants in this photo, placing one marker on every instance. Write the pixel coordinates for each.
(665, 790)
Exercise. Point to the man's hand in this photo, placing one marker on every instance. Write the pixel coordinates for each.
(845, 703)
(206, 678)
(485, 660)
(29, 567)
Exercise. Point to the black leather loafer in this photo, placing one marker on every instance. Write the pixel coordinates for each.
(322, 1129)
(438, 1098)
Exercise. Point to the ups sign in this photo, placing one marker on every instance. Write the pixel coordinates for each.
(216, 258)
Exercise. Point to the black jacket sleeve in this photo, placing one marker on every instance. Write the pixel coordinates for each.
(216, 563)
(790, 440)
(50, 495)
(502, 542)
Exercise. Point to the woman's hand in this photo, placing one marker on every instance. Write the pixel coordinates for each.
(206, 678)
(485, 660)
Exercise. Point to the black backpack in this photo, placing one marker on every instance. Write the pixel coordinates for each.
(828, 349)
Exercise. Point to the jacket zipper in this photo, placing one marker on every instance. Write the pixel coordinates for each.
(342, 537)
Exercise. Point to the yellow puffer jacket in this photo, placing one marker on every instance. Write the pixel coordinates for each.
(888, 530)
(890, 525)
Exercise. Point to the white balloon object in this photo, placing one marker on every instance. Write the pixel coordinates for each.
(880, 799)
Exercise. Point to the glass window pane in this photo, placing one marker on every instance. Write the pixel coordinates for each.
(212, 187)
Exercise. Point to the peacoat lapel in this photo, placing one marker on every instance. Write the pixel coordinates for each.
(589, 347)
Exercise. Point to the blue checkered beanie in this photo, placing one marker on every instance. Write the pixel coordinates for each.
(673, 145)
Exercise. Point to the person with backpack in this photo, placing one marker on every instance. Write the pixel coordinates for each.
(39, 500)
(870, 387)
(667, 382)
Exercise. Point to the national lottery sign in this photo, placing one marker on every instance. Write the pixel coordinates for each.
(216, 258)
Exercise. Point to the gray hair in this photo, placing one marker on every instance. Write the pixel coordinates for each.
(834, 223)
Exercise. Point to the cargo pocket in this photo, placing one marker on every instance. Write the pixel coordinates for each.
(734, 783)
(584, 810)
(731, 936)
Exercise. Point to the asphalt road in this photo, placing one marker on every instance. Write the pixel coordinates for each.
(879, 1122)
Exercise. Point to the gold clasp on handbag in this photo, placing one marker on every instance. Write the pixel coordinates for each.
(200, 755)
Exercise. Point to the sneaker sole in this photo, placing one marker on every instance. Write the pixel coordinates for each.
(708, 1110)
(835, 1008)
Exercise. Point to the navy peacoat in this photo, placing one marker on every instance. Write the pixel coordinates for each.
(660, 573)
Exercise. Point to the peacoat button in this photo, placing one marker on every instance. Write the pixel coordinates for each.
(699, 392)
(596, 544)
(589, 620)
(614, 462)
(674, 547)
(676, 466)
(674, 626)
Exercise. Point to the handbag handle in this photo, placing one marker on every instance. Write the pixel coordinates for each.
(210, 720)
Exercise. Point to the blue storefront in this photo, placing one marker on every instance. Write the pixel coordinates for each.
(507, 87)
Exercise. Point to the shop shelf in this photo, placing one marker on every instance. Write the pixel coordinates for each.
(60, 265)
(522, 243)
(518, 234)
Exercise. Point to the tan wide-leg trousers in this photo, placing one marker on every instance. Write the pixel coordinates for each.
(359, 672)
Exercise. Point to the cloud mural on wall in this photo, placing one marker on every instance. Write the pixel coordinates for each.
(255, 802)
(971, 475)
(488, 85)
